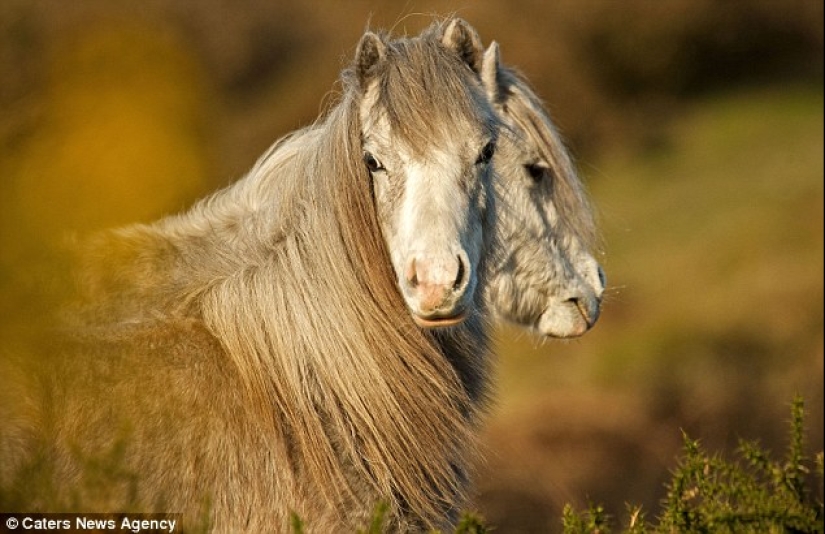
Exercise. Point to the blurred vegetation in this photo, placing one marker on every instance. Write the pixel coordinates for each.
(698, 126)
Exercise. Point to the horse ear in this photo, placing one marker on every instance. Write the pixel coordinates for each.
(462, 38)
(368, 55)
(489, 72)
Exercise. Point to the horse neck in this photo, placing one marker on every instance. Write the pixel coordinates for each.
(164, 266)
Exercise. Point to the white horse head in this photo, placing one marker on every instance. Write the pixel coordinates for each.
(544, 274)
(428, 136)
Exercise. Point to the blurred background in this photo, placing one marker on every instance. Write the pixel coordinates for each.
(697, 126)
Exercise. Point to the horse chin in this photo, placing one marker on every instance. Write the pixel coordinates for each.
(440, 322)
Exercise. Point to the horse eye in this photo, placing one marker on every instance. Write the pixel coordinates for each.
(373, 165)
(486, 154)
(536, 172)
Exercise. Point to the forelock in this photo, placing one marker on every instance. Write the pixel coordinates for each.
(427, 92)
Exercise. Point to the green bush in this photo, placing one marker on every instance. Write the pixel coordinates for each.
(709, 494)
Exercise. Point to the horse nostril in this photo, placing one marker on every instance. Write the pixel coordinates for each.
(412, 274)
(588, 308)
(602, 277)
(575, 301)
(459, 277)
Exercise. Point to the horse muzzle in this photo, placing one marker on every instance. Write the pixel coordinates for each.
(438, 289)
